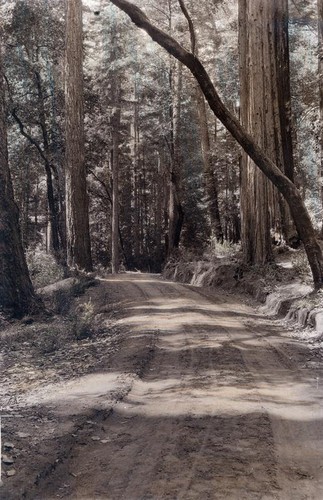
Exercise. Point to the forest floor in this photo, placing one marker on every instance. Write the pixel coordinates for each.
(149, 389)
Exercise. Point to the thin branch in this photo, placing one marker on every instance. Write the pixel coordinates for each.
(162, 12)
(28, 136)
(302, 18)
(190, 26)
(25, 134)
(103, 184)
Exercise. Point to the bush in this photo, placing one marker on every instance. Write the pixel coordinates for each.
(225, 249)
(82, 321)
(301, 265)
(63, 296)
(43, 268)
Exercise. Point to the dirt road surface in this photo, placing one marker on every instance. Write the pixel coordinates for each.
(203, 399)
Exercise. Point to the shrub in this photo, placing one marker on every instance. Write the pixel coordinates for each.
(82, 321)
(225, 249)
(301, 265)
(43, 268)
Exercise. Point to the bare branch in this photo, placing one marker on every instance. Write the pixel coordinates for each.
(28, 136)
(103, 184)
(161, 11)
(190, 26)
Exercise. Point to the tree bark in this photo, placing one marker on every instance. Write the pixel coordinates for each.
(210, 177)
(282, 105)
(77, 216)
(159, 187)
(320, 75)
(256, 190)
(52, 198)
(115, 122)
(17, 296)
(135, 135)
(266, 114)
(175, 210)
(285, 186)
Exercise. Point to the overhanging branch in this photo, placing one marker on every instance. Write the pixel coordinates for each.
(266, 165)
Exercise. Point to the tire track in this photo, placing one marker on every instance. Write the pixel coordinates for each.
(209, 414)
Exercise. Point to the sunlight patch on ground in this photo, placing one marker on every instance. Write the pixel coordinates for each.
(75, 396)
(206, 397)
(172, 315)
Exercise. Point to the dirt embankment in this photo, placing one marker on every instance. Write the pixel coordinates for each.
(230, 275)
(184, 393)
(278, 287)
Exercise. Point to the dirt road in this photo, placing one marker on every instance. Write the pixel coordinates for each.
(203, 400)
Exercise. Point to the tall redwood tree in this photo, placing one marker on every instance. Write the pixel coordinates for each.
(77, 214)
(266, 114)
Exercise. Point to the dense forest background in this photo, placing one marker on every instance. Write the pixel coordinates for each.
(115, 157)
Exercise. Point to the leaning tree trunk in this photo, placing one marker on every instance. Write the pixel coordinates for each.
(284, 185)
(77, 216)
(17, 295)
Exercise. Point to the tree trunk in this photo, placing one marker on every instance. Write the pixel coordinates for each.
(266, 114)
(115, 122)
(255, 188)
(210, 178)
(24, 207)
(285, 186)
(17, 296)
(135, 175)
(175, 210)
(77, 216)
(44, 154)
(52, 200)
(320, 75)
(159, 207)
(282, 106)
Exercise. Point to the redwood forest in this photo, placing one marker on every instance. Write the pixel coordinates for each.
(161, 249)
